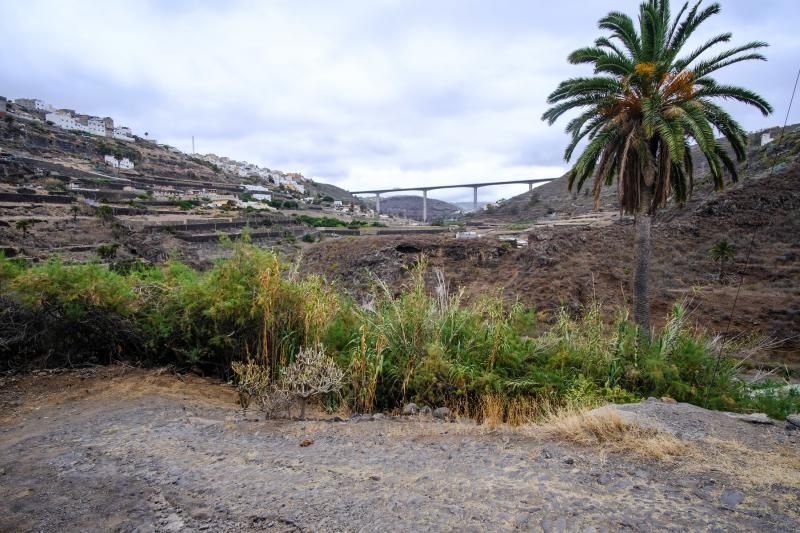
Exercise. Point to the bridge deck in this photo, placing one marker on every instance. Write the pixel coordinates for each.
(459, 186)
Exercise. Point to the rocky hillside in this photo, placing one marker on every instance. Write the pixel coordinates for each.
(553, 200)
(571, 266)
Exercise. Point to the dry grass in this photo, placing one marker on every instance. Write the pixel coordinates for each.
(751, 467)
(493, 411)
(606, 430)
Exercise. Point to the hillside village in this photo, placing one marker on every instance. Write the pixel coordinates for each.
(226, 183)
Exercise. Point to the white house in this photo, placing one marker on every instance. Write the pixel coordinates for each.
(124, 134)
(64, 118)
(33, 104)
(766, 138)
(96, 126)
(258, 192)
(124, 163)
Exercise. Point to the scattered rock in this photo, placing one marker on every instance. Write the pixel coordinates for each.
(794, 420)
(550, 525)
(425, 410)
(378, 416)
(173, 523)
(249, 457)
(375, 478)
(306, 442)
(731, 497)
(410, 409)
(569, 461)
(667, 399)
(753, 418)
(442, 413)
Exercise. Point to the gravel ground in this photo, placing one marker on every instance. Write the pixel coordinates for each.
(130, 450)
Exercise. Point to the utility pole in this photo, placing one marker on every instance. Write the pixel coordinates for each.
(193, 152)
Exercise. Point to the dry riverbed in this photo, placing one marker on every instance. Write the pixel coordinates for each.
(117, 449)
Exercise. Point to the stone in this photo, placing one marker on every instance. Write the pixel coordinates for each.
(753, 418)
(410, 409)
(731, 497)
(441, 413)
(569, 461)
(667, 399)
(378, 416)
(557, 525)
(794, 420)
(173, 523)
(425, 410)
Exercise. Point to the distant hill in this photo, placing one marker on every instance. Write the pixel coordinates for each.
(467, 206)
(411, 207)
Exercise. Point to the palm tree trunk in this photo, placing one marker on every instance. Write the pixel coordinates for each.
(641, 274)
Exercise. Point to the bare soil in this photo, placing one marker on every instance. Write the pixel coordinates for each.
(120, 449)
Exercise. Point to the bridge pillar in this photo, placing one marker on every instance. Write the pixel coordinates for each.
(424, 205)
(378, 203)
(530, 186)
(475, 199)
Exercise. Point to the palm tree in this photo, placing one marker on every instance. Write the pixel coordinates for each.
(645, 104)
(23, 226)
(722, 251)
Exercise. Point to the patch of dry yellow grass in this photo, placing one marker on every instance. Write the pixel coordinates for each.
(751, 467)
(493, 411)
(605, 429)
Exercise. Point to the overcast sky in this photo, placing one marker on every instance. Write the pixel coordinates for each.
(361, 94)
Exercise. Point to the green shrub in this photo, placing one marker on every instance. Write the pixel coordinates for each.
(321, 222)
(428, 346)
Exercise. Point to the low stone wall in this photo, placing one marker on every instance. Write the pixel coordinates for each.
(35, 198)
(217, 226)
(254, 235)
(339, 231)
(411, 231)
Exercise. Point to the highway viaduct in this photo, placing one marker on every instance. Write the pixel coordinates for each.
(474, 186)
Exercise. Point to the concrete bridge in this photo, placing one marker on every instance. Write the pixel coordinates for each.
(474, 186)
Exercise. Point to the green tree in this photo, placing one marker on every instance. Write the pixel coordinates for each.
(645, 103)
(75, 210)
(24, 225)
(104, 213)
(722, 252)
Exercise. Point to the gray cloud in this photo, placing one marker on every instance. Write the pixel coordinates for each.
(361, 94)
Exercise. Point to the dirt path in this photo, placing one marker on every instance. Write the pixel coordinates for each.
(131, 450)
